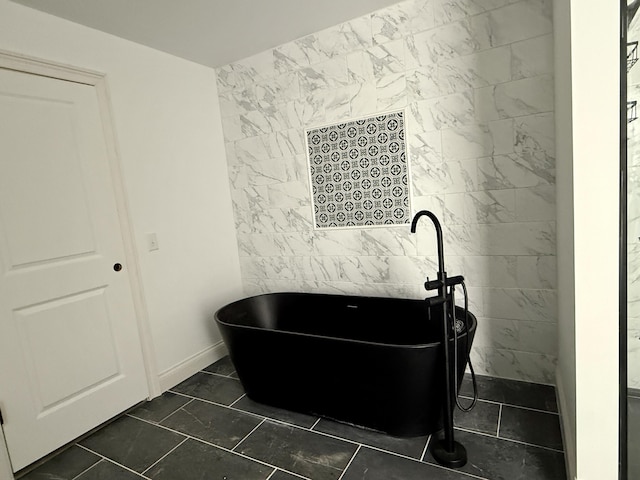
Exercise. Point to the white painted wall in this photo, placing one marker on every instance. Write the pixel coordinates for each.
(587, 104)
(168, 129)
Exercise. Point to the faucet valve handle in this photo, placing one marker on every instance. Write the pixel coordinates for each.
(432, 284)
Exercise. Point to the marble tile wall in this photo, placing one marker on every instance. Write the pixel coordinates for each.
(475, 78)
(633, 223)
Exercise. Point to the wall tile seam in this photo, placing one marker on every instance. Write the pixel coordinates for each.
(406, 73)
(243, 86)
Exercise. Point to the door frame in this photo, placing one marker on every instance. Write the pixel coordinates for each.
(37, 66)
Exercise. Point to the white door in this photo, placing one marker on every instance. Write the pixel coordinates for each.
(70, 352)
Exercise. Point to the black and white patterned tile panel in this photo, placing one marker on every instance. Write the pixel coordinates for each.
(358, 172)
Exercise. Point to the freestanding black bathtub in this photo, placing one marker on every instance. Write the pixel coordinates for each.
(368, 361)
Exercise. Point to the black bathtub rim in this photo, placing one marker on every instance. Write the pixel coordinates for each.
(474, 322)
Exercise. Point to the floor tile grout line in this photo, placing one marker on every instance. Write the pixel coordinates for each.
(217, 374)
(248, 434)
(319, 432)
(499, 420)
(247, 412)
(237, 399)
(275, 420)
(520, 442)
(350, 462)
(225, 449)
(506, 404)
(426, 448)
(163, 457)
(103, 457)
(87, 469)
(179, 408)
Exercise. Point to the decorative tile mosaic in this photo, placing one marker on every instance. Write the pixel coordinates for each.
(359, 174)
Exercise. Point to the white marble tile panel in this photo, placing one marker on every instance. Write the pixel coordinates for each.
(536, 272)
(232, 128)
(320, 269)
(237, 176)
(521, 304)
(252, 267)
(279, 89)
(265, 172)
(513, 364)
(285, 143)
(389, 23)
(297, 168)
(512, 171)
(481, 69)
(391, 92)
(490, 206)
(268, 221)
(391, 290)
(430, 178)
(447, 11)
(237, 101)
(519, 21)
(491, 271)
(532, 238)
(412, 270)
(389, 242)
(424, 83)
(346, 37)
(300, 218)
(265, 120)
(259, 245)
(294, 244)
(251, 287)
(360, 67)
(525, 97)
(423, 146)
(535, 142)
(520, 335)
(464, 240)
(386, 59)
(420, 14)
(306, 112)
(325, 75)
(535, 204)
(298, 54)
(452, 40)
(474, 141)
(485, 104)
(338, 242)
(251, 149)
(532, 57)
(364, 269)
(252, 199)
(289, 194)
(454, 209)
(280, 268)
(364, 100)
(448, 111)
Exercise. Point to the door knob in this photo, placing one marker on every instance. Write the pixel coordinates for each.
(117, 267)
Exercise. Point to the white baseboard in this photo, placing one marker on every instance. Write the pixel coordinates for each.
(180, 372)
(565, 427)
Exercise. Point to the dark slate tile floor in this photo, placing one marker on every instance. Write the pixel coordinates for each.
(206, 428)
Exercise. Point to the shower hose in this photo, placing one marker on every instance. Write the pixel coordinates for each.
(456, 329)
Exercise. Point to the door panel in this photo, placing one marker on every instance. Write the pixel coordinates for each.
(69, 342)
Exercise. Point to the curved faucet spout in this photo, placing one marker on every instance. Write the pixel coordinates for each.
(436, 224)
